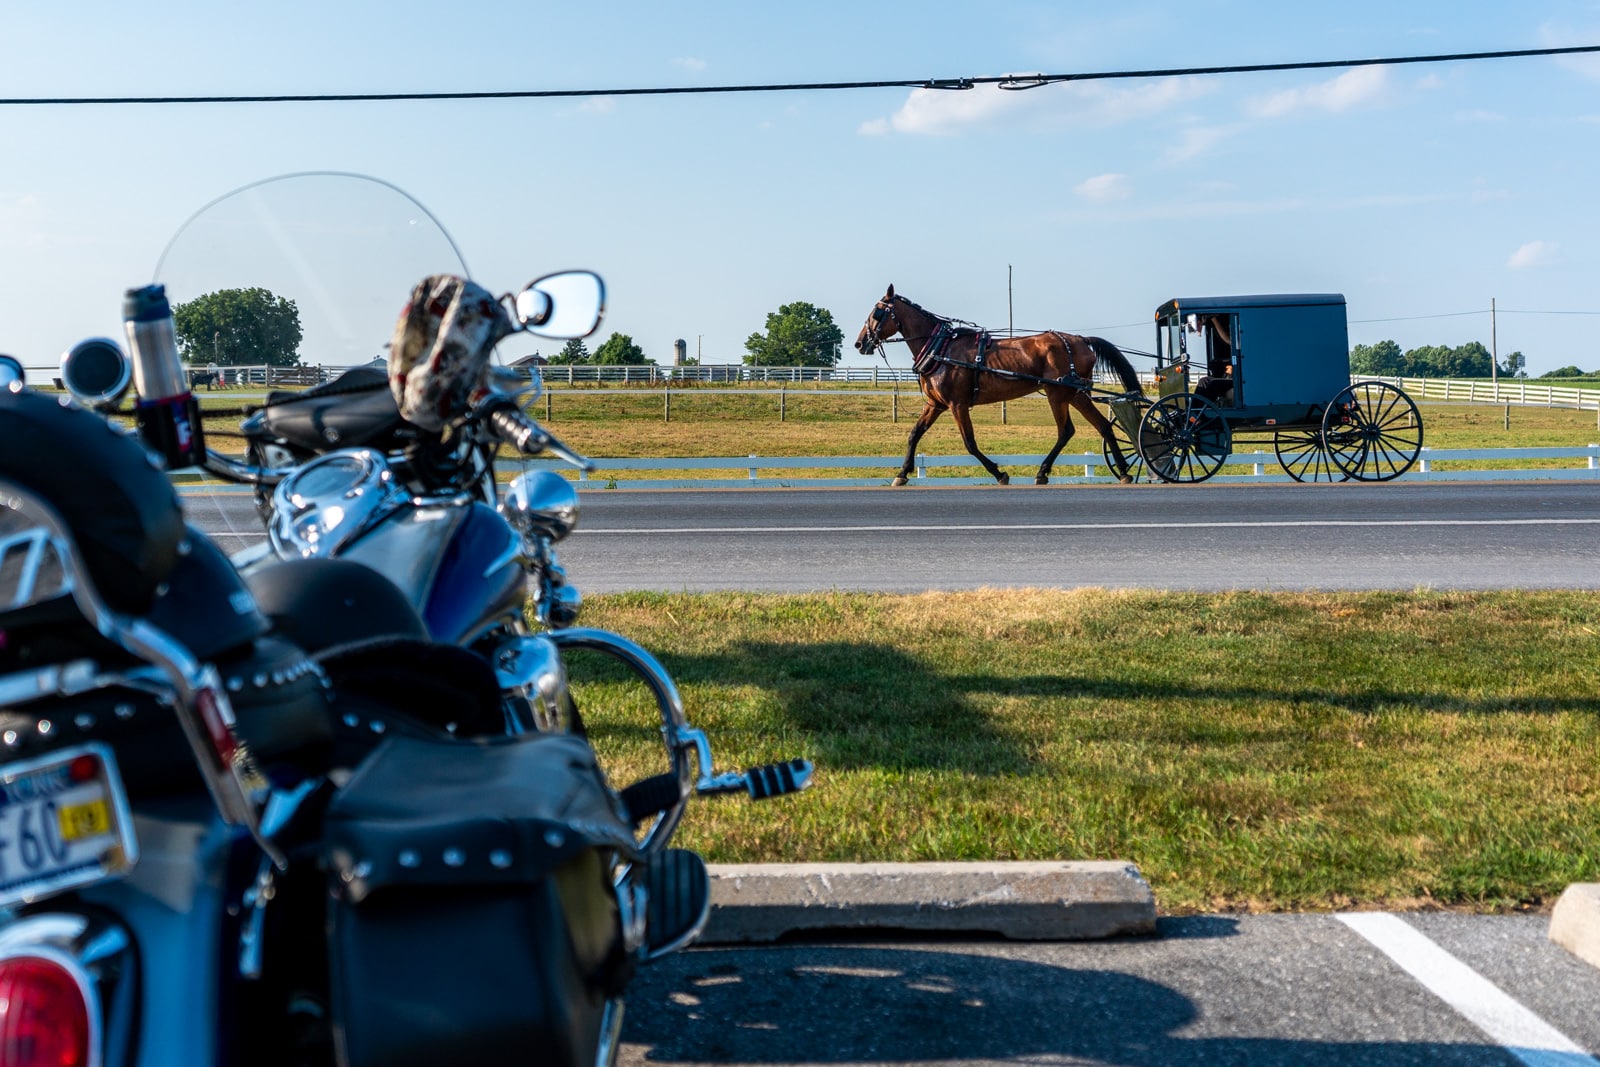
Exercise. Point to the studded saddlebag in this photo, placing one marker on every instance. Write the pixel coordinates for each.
(473, 918)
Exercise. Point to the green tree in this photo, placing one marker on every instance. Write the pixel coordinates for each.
(619, 350)
(1428, 361)
(1470, 360)
(1384, 359)
(1568, 371)
(239, 327)
(798, 335)
(1515, 366)
(574, 351)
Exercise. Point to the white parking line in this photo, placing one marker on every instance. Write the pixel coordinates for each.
(997, 527)
(1520, 1032)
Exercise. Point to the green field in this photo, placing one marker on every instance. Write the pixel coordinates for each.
(843, 420)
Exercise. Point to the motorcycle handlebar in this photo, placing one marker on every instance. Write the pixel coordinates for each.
(529, 438)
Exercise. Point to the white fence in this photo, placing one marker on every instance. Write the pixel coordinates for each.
(1263, 467)
(1514, 391)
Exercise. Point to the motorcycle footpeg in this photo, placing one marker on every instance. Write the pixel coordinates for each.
(761, 783)
(678, 900)
(652, 796)
(778, 779)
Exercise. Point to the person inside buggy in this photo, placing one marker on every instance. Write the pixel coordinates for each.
(1216, 336)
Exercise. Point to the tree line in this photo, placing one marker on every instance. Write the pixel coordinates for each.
(238, 327)
(1471, 360)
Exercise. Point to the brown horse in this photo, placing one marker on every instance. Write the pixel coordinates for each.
(959, 366)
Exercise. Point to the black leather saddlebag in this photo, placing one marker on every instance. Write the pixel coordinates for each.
(472, 913)
(280, 707)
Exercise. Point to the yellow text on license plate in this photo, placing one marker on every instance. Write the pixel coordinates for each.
(79, 821)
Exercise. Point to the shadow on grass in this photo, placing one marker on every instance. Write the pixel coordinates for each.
(876, 706)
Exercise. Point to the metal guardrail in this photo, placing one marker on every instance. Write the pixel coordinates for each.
(1095, 469)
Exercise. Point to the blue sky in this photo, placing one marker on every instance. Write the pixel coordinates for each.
(1417, 191)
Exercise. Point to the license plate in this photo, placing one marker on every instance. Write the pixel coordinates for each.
(64, 824)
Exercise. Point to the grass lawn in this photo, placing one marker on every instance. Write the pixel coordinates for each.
(1247, 751)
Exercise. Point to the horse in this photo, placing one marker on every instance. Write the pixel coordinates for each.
(959, 366)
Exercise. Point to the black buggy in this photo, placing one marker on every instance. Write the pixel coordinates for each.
(1275, 368)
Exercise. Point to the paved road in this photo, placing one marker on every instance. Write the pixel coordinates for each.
(1206, 537)
(1529, 535)
(1374, 990)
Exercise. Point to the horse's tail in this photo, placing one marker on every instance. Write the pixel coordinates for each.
(1108, 356)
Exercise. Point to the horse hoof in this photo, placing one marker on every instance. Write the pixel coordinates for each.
(1126, 480)
(1003, 478)
(1041, 479)
(901, 480)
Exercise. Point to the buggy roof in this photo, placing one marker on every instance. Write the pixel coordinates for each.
(1236, 303)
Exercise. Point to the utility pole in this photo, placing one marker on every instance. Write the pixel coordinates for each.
(1494, 348)
(1011, 329)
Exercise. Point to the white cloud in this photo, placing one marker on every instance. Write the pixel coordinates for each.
(1533, 254)
(1353, 88)
(950, 111)
(1479, 115)
(1105, 187)
(1585, 64)
(1196, 141)
(688, 63)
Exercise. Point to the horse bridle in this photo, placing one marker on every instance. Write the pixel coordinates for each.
(883, 309)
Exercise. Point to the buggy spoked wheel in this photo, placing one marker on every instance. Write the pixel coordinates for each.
(1184, 438)
(1372, 431)
(1130, 449)
(1304, 458)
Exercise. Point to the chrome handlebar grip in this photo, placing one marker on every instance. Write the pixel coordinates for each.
(529, 438)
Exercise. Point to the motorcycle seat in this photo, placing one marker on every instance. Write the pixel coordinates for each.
(353, 411)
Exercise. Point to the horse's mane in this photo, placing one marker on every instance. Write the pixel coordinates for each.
(962, 325)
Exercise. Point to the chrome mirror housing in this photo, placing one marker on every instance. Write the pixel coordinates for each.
(541, 503)
(12, 376)
(97, 373)
(564, 305)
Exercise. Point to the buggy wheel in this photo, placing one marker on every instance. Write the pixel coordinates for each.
(1184, 438)
(1372, 431)
(1130, 448)
(1304, 458)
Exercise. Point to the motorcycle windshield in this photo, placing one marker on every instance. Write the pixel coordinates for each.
(308, 270)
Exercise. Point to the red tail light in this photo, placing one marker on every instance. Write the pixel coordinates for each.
(44, 1020)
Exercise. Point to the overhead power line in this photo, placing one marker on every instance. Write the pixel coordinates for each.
(1003, 81)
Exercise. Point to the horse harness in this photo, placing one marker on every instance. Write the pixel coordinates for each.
(937, 351)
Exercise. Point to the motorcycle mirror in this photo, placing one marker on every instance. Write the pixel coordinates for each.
(96, 373)
(12, 376)
(564, 305)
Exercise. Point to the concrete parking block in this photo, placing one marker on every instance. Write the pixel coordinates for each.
(1051, 901)
(1575, 923)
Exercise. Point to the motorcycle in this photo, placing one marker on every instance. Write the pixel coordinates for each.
(276, 790)
(340, 471)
